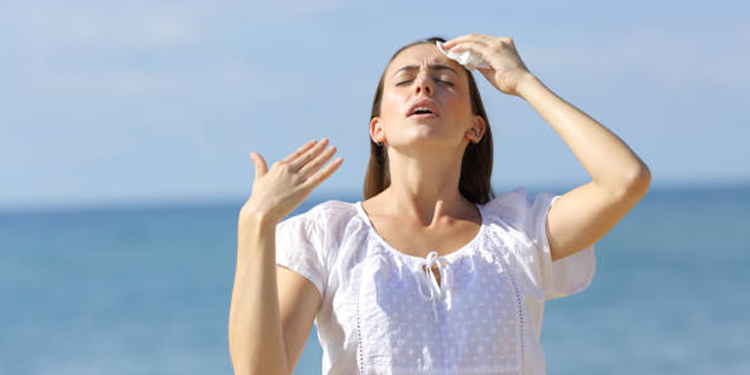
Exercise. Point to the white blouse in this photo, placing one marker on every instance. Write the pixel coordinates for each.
(383, 313)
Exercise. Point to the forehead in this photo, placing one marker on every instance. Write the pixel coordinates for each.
(421, 55)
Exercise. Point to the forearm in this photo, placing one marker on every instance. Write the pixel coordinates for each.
(608, 160)
(256, 341)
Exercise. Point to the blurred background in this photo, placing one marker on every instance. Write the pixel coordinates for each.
(125, 129)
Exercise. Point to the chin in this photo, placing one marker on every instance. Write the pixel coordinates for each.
(421, 139)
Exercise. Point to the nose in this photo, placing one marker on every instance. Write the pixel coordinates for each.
(423, 84)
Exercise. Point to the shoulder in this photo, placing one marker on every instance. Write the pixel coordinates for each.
(324, 227)
(508, 202)
(518, 208)
(331, 213)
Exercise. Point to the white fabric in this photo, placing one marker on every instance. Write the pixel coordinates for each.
(383, 314)
(468, 59)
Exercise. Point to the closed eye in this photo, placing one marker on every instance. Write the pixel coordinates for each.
(447, 83)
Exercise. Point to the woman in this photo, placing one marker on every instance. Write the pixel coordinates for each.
(430, 273)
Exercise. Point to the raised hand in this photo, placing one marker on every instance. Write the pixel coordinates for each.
(277, 191)
(507, 71)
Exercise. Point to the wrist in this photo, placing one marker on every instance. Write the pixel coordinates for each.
(526, 84)
(258, 218)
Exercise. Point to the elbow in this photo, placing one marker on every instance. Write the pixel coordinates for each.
(642, 179)
(631, 185)
(637, 184)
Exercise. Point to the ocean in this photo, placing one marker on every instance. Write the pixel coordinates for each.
(146, 290)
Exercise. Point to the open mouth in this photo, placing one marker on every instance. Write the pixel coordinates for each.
(423, 111)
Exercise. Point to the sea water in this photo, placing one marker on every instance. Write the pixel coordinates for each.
(147, 290)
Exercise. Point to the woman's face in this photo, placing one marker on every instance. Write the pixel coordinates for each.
(425, 102)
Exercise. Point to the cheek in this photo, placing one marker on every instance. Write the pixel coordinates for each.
(391, 104)
(459, 103)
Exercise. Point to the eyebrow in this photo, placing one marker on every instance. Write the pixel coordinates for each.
(433, 67)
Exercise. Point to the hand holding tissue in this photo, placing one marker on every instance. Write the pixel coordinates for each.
(468, 59)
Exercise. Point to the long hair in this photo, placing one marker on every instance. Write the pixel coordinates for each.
(476, 166)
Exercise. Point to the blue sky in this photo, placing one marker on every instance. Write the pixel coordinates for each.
(107, 102)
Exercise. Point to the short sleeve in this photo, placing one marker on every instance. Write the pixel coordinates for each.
(565, 276)
(528, 214)
(299, 247)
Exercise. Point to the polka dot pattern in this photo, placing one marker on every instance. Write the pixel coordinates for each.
(374, 319)
(474, 327)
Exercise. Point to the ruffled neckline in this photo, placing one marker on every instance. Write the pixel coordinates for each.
(464, 250)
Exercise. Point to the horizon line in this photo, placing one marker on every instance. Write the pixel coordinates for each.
(324, 194)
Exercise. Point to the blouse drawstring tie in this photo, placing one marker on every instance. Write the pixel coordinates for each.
(437, 291)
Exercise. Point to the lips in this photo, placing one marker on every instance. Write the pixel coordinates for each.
(423, 108)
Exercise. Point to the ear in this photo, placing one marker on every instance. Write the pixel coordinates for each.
(475, 133)
(377, 133)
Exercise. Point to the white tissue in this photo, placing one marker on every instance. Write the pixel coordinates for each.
(468, 59)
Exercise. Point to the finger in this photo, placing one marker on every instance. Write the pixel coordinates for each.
(299, 151)
(459, 39)
(324, 173)
(467, 38)
(318, 162)
(261, 168)
(486, 39)
(303, 159)
(475, 46)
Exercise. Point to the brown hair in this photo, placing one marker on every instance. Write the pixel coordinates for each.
(476, 166)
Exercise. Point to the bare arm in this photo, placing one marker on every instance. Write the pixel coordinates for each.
(256, 339)
(272, 309)
(620, 179)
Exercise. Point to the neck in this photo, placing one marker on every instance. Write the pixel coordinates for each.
(425, 186)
